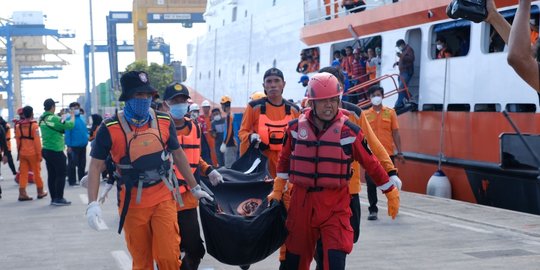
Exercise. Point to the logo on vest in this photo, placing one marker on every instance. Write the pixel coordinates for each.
(336, 130)
(302, 134)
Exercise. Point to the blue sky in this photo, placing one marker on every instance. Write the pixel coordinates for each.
(74, 15)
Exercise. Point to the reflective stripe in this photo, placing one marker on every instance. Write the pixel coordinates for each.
(386, 186)
(164, 117)
(283, 176)
(111, 123)
(123, 166)
(348, 140)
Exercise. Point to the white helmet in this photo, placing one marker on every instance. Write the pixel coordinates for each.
(205, 103)
(193, 107)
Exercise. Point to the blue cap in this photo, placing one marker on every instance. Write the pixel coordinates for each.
(304, 77)
(336, 63)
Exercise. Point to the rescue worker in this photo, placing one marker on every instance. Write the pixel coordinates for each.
(140, 142)
(52, 135)
(442, 48)
(29, 151)
(205, 120)
(383, 121)
(3, 148)
(265, 120)
(189, 136)
(194, 111)
(7, 129)
(228, 147)
(316, 159)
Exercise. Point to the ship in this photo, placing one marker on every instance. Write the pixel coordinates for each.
(458, 125)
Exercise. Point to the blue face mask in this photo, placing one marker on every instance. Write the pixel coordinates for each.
(178, 111)
(137, 111)
(77, 111)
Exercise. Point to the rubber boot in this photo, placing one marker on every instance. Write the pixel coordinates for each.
(41, 193)
(23, 196)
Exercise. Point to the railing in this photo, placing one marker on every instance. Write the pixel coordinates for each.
(362, 88)
(320, 10)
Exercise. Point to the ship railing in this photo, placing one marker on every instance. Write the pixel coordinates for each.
(361, 89)
(318, 11)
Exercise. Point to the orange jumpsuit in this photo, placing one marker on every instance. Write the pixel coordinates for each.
(206, 125)
(29, 148)
(151, 227)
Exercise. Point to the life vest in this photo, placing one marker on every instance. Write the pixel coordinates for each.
(272, 132)
(145, 163)
(30, 136)
(320, 162)
(371, 70)
(191, 144)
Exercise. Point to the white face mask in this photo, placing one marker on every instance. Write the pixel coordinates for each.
(217, 117)
(194, 115)
(439, 47)
(376, 100)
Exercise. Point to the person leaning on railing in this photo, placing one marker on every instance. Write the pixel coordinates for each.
(520, 56)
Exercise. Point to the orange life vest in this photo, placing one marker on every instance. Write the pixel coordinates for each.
(320, 162)
(191, 144)
(272, 132)
(25, 139)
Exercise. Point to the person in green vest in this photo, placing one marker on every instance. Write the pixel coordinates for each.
(52, 135)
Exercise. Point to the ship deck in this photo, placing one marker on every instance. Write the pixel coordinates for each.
(428, 233)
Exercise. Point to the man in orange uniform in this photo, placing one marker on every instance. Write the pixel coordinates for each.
(29, 150)
(205, 120)
(140, 142)
(316, 158)
(189, 134)
(7, 129)
(265, 120)
(383, 121)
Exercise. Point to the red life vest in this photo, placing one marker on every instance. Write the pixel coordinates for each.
(272, 132)
(320, 161)
(191, 144)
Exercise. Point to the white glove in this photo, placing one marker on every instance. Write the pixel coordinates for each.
(84, 181)
(215, 178)
(93, 215)
(254, 137)
(199, 193)
(222, 148)
(394, 179)
(104, 193)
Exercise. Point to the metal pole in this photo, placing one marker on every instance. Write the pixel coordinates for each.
(88, 100)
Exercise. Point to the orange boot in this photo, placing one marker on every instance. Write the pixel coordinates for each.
(23, 196)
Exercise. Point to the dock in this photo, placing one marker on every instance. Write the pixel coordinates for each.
(429, 233)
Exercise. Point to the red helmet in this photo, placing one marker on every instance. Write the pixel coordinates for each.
(322, 86)
(19, 111)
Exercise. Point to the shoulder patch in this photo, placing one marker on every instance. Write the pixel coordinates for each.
(352, 126)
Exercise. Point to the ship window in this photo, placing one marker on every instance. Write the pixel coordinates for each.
(309, 61)
(274, 3)
(274, 64)
(459, 108)
(209, 28)
(223, 22)
(209, 74)
(521, 108)
(432, 107)
(234, 10)
(453, 37)
(245, 13)
(258, 67)
(487, 107)
(219, 73)
(492, 41)
(243, 69)
(200, 76)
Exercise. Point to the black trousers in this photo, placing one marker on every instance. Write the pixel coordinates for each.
(372, 192)
(76, 162)
(190, 234)
(56, 170)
